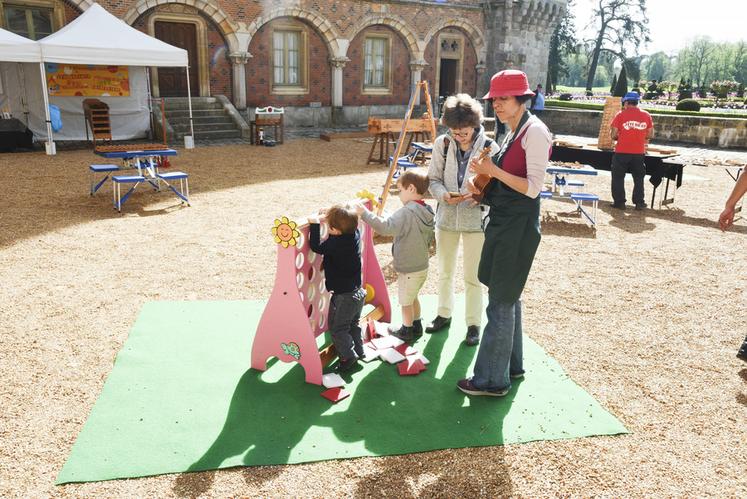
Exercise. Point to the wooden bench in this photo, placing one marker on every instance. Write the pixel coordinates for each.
(267, 117)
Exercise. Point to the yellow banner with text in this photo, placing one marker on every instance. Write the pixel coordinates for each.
(65, 80)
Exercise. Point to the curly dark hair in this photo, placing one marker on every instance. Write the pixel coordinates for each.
(461, 111)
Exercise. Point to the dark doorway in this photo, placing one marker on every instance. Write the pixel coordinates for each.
(172, 82)
(448, 77)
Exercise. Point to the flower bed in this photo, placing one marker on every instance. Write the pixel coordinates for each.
(657, 107)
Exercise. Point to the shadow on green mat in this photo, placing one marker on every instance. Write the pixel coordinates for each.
(384, 410)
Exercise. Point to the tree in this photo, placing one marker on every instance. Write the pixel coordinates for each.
(621, 24)
(621, 87)
(633, 68)
(576, 70)
(602, 77)
(656, 67)
(704, 61)
(562, 42)
(694, 61)
(614, 83)
(740, 61)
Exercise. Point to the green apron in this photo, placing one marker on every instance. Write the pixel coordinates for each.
(512, 235)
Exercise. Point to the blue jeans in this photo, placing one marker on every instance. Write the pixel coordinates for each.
(344, 316)
(501, 352)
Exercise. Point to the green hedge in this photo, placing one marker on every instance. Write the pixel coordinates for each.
(550, 103)
(688, 105)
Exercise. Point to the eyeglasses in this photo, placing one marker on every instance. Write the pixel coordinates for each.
(461, 134)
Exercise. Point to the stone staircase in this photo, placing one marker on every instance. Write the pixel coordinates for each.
(214, 118)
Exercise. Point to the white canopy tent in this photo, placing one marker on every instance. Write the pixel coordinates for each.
(98, 38)
(15, 48)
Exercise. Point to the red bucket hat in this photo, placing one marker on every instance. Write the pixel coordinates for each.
(509, 82)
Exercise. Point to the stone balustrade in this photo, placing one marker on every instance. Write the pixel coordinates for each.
(727, 133)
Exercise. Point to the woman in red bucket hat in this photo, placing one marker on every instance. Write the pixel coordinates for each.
(512, 231)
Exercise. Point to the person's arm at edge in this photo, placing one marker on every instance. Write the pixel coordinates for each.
(726, 219)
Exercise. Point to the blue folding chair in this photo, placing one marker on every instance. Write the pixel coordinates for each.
(183, 178)
(579, 198)
(117, 181)
(97, 170)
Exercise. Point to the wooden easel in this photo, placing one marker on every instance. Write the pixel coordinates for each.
(403, 133)
(383, 132)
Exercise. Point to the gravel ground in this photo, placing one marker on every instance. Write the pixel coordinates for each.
(645, 313)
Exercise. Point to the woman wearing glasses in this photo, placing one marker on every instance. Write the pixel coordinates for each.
(512, 232)
(458, 216)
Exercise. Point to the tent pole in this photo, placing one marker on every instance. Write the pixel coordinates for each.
(150, 106)
(25, 100)
(51, 150)
(189, 102)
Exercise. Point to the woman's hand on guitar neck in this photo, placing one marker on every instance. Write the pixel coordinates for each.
(483, 166)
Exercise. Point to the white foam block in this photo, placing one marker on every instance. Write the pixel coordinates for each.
(391, 355)
(419, 356)
(386, 342)
(369, 353)
(332, 380)
(381, 328)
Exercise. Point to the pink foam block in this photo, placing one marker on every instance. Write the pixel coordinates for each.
(406, 349)
(335, 394)
(410, 367)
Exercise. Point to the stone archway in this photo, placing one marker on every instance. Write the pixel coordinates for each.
(327, 31)
(474, 34)
(453, 67)
(399, 26)
(215, 14)
(82, 5)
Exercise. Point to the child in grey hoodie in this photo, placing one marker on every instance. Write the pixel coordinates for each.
(412, 227)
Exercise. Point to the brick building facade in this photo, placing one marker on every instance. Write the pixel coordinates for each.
(328, 54)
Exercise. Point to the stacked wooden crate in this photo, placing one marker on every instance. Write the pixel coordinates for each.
(611, 107)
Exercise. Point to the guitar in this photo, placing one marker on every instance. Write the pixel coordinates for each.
(481, 181)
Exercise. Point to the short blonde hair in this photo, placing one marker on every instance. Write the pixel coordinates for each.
(461, 111)
(418, 179)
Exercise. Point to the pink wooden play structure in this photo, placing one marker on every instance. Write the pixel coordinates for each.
(299, 304)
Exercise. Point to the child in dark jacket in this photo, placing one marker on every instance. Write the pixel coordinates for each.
(341, 253)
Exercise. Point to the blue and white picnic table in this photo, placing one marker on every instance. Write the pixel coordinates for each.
(147, 163)
(420, 151)
(560, 182)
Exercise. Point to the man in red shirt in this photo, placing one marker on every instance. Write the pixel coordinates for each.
(632, 128)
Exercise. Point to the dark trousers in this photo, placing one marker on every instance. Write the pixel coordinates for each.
(344, 317)
(622, 164)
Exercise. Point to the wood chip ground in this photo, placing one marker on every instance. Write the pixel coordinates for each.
(646, 314)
